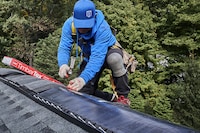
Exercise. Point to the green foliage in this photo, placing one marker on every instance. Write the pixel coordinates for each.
(149, 97)
(5, 9)
(105, 81)
(25, 22)
(46, 53)
(185, 95)
(178, 34)
(161, 34)
(136, 32)
(180, 30)
(140, 37)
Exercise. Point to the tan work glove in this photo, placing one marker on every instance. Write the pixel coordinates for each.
(76, 84)
(63, 71)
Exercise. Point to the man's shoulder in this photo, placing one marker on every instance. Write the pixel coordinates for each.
(68, 21)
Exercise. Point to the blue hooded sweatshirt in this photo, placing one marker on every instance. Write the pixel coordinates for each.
(103, 39)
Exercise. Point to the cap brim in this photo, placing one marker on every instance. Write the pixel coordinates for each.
(79, 23)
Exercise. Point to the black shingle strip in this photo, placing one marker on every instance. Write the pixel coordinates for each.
(1, 93)
(47, 130)
(97, 110)
(6, 101)
(20, 79)
(3, 128)
(26, 116)
(18, 125)
(60, 125)
(36, 128)
(7, 72)
(6, 97)
(11, 102)
(9, 117)
(29, 114)
(39, 85)
(118, 119)
(13, 108)
(29, 118)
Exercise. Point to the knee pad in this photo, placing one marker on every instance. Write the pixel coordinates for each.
(115, 62)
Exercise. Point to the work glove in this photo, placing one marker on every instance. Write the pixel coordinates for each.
(63, 71)
(76, 84)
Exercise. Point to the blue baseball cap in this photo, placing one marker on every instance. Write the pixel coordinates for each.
(84, 14)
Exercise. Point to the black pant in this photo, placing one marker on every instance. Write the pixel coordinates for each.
(121, 82)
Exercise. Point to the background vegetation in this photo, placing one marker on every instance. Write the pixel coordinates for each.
(163, 35)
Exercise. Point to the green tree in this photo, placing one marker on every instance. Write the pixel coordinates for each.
(136, 32)
(178, 31)
(25, 22)
(5, 10)
(45, 55)
(161, 34)
(178, 34)
(185, 95)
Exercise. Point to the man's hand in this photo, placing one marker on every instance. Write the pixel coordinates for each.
(76, 84)
(64, 69)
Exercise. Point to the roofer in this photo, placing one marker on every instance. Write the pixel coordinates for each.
(96, 40)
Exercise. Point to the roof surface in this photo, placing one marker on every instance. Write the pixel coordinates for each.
(29, 104)
(19, 114)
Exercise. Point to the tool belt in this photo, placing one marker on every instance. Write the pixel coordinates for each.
(129, 59)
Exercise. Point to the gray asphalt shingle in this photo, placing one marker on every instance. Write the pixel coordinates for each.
(19, 114)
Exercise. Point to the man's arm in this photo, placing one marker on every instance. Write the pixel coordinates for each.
(64, 48)
(65, 44)
(103, 40)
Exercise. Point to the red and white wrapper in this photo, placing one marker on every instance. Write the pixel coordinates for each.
(26, 69)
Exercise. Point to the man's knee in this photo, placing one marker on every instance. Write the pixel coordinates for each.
(115, 62)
